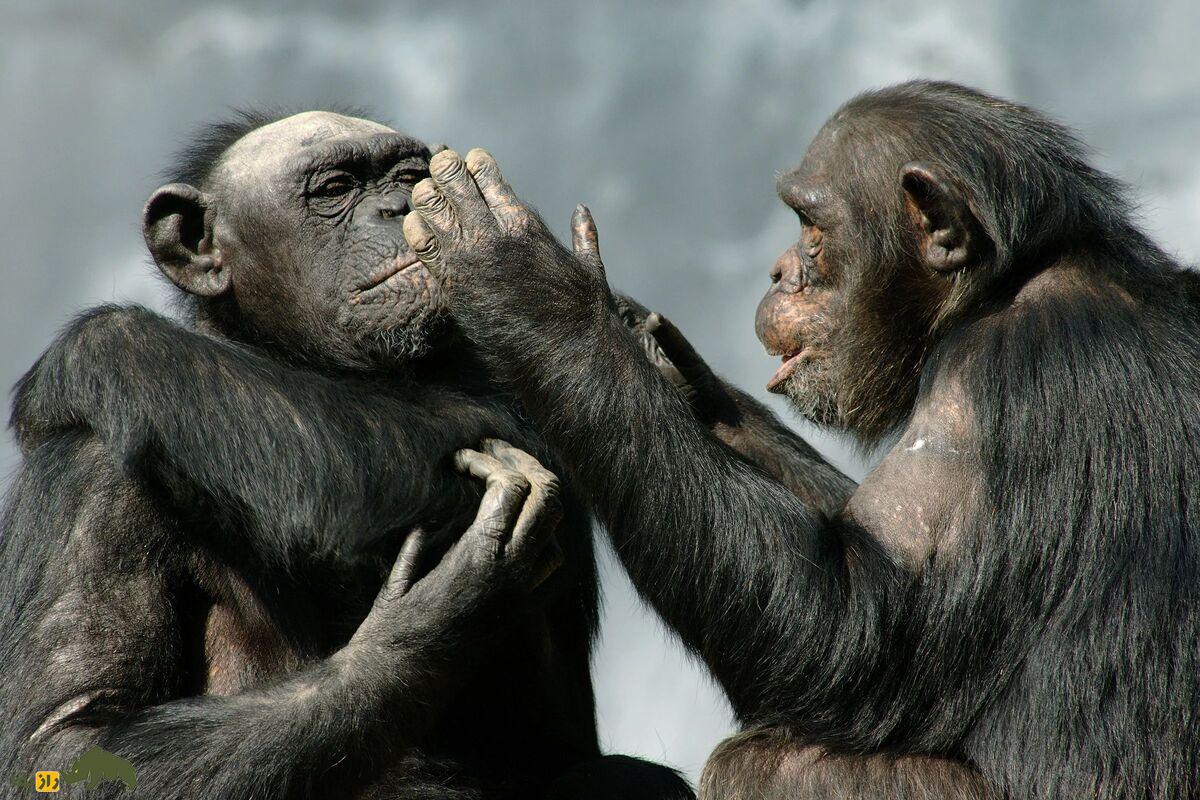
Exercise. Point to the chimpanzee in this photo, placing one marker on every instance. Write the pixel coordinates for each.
(1009, 604)
(197, 549)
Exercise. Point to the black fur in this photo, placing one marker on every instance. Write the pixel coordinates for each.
(1052, 647)
(199, 528)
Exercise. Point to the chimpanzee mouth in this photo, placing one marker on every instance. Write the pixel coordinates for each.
(401, 263)
(791, 362)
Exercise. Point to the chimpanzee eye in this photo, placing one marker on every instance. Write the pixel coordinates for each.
(334, 185)
(811, 238)
(411, 177)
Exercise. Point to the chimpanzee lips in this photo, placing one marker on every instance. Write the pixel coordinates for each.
(392, 269)
(791, 361)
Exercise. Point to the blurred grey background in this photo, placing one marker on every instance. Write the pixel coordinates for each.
(668, 119)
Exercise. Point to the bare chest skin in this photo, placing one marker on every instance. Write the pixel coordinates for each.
(916, 500)
(237, 642)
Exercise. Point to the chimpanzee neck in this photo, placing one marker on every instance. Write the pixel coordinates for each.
(456, 365)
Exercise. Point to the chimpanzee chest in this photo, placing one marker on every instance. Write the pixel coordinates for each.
(514, 714)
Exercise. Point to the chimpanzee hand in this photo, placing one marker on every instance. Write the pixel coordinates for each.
(510, 547)
(666, 348)
(677, 361)
(493, 253)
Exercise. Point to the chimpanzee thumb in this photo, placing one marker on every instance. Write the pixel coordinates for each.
(584, 239)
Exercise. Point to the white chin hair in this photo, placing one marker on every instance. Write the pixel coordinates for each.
(402, 343)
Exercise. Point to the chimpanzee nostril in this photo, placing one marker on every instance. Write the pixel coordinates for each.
(393, 210)
(786, 272)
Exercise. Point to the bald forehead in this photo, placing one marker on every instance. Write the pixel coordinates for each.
(831, 143)
(269, 149)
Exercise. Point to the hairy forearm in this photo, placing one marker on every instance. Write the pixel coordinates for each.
(312, 462)
(761, 582)
(719, 548)
(746, 571)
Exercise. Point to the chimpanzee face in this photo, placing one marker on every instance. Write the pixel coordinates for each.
(800, 317)
(887, 241)
(302, 232)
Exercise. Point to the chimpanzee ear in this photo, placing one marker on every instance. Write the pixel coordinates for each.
(951, 238)
(177, 225)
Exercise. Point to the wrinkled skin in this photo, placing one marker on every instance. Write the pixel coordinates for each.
(799, 317)
(299, 229)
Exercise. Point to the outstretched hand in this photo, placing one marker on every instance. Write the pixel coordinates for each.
(491, 250)
(495, 255)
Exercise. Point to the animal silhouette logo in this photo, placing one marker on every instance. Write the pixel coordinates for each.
(91, 769)
(96, 766)
(43, 781)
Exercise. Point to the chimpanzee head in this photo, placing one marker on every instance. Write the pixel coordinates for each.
(288, 233)
(919, 205)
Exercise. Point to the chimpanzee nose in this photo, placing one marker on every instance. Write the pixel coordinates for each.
(786, 272)
(393, 206)
(383, 208)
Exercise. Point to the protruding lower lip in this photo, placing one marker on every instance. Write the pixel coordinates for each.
(790, 363)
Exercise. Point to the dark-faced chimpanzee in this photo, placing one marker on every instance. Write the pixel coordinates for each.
(197, 547)
(1009, 604)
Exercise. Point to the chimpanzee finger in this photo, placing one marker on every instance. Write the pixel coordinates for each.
(430, 202)
(449, 172)
(517, 459)
(533, 547)
(635, 315)
(403, 573)
(487, 467)
(501, 199)
(404, 570)
(632, 313)
(532, 543)
(674, 344)
(585, 240)
(502, 500)
(662, 361)
(424, 243)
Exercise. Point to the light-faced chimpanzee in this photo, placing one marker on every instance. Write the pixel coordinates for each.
(196, 547)
(1009, 604)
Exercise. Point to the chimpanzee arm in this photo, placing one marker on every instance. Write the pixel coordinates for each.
(312, 463)
(745, 571)
(93, 653)
(731, 558)
(734, 417)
